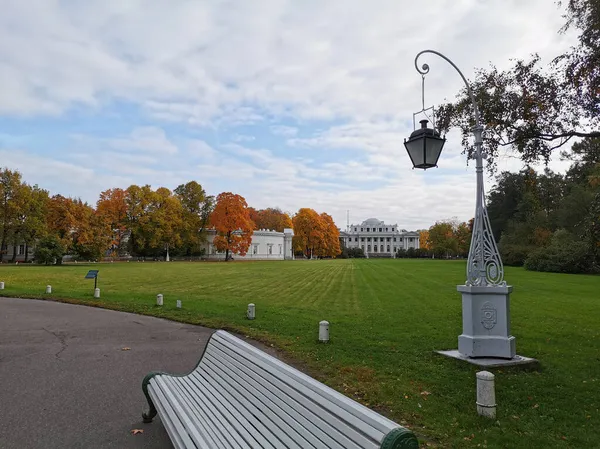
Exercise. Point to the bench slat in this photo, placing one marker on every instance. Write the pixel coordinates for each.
(327, 394)
(272, 408)
(201, 422)
(237, 421)
(218, 421)
(175, 429)
(295, 404)
(275, 437)
(178, 405)
(334, 413)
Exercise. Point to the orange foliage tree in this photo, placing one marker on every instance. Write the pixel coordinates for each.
(315, 235)
(424, 242)
(231, 220)
(270, 218)
(112, 209)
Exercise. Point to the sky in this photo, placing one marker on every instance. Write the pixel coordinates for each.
(289, 103)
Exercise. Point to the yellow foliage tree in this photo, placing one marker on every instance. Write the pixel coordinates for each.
(231, 220)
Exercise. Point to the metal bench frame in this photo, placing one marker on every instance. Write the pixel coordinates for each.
(239, 396)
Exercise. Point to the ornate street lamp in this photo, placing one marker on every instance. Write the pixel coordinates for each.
(424, 146)
(485, 295)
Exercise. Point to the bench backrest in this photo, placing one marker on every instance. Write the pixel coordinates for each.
(267, 392)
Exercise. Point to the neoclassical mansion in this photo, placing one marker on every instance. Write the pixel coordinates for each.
(266, 245)
(379, 239)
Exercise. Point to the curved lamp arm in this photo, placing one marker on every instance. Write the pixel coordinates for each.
(424, 70)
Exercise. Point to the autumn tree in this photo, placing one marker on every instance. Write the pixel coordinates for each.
(424, 242)
(138, 200)
(165, 220)
(315, 235)
(533, 109)
(112, 209)
(449, 238)
(330, 242)
(308, 230)
(271, 218)
(196, 209)
(231, 220)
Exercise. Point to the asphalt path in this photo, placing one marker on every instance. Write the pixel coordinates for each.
(71, 375)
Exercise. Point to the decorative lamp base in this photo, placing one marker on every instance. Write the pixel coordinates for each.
(486, 322)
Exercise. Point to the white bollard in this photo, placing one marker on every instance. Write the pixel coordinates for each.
(48, 289)
(486, 394)
(251, 314)
(324, 331)
(179, 303)
(1, 285)
(159, 300)
(96, 293)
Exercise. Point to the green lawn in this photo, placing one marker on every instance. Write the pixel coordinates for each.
(387, 318)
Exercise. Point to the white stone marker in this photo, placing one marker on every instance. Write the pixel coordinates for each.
(251, 314)
(48, 289)
(159, 300)
(324, 331)
(486, 394)
(96, 293)
(1, 285)
(179, 303)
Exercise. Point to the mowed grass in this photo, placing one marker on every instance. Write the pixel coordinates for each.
(387, 319)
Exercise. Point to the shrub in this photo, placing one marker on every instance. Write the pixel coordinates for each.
(564, 254)
(49, 250)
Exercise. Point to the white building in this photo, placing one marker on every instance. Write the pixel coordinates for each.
(378, 239)
(266, 245)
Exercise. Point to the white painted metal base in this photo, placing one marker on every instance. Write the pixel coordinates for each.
(489, 362)
(486, 322)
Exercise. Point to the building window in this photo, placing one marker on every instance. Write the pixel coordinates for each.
(254, 249)
(400, 239)
(393, 229)
(361, 229)
(270, 249)
(388, 239)
(380, 229)
(375, 248)
(412, 240)
(280, 248)
(362, 239)
(367, 229)
(368, 248)
(394, 239)
(368, 239)
(381, 248)
(381, 239)
(386, 229)
(388, 248)
(21, 250)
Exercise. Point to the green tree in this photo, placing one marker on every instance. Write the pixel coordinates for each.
(49, 250)
(10, 205)
(534, 109)
(196, 209)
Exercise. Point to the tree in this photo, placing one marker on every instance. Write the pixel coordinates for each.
(49, 250)
(138, 200)
(270, 218)
(231, 220)
(10, 203)
(34, 224)
(308, 231)
(196, 208)
(329, 244)
(534, 109)
(424, 239)
(165, 220)
(112, 210)
(61, 221)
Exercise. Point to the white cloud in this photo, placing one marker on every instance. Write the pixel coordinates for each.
(346, 66)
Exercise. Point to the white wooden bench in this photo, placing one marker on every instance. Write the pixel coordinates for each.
(240, 397)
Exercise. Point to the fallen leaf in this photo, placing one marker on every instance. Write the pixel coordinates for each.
(425, 393)
(125, 349)
(136, 431)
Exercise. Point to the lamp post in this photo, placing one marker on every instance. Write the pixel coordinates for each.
(485, 295)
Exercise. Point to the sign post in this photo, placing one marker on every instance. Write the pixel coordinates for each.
(93, 274)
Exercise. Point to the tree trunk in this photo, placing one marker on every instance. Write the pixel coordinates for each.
(14, 256)
(26, 252)
(3, 244)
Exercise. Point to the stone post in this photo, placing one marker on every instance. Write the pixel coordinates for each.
(324, 331)
(486, 394)
(96, 293)
(251, 313)
(159, 299)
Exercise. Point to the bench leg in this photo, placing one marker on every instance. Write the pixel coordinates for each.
(149, 416)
